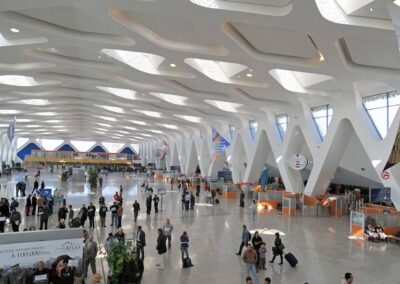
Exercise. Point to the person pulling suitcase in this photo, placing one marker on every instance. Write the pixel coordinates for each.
(186, 261)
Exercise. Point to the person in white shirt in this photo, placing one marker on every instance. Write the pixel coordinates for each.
(167, 231)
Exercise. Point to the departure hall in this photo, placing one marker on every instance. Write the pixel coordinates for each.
(199, 141)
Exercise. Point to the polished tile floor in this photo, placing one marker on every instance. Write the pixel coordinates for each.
(322, 245)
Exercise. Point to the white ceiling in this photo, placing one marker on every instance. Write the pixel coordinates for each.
(70, 48)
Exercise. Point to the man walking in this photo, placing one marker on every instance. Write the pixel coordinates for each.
(113, 209)
(91, 214)
(15, 219)
(89, 256)
(136, 209)
(140, 242)
(161, 249)
(249, 257)
(103, 213)
(44, 217)
(120, 212)
(348, 278)
(246, 236)
(167, 231)
(156, 199)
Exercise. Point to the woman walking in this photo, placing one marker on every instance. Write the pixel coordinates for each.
(277, 249)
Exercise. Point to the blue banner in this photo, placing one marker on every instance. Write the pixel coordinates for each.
(219, 143)
(11, 131)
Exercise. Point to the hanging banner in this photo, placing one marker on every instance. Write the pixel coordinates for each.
(219, 143)
(11, 131)
(164, 150)
(28, 254)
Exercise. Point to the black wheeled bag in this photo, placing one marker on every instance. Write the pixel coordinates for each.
(291, 259)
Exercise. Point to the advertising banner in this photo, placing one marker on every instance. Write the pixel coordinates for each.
(29, 253)
(219, 143)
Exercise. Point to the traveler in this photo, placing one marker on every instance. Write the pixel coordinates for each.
(42, 186)
(256, 241)
(83, 215)
(103, 214)
(15, 219)
(70, 214)
(34, 204)
(249, 257)
(184, 245)
(91, 214)
(17, 275)
(253, 209)
(120, 212)
(62, 213)
(61, 272)
(14, 204)
(28, 205)
(108, 241)
(192, 201)
(156, 199)
(348, 278)
(241, 198)
(148, 204)
(262, 254)
(167, 231)
(113, 209)
(44, 217)
(41, 270)
(61, 224)
(136, 209)
(133, 270)
(267, 280)
(161, 249)
(246, 236)
(249, 280)
(2, 222)
(278, 248)
(120, 235)
(140, 242)
(89, 256)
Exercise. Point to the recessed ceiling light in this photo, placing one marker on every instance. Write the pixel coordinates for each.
(111, 108)
(108, 118)
(169, 126)
(138, 137)
(156, 131)
(9, 111)
(173, 65)
(58, 126)
(53, 121)
(14, 30)
(396, 2)
(123, 93)
(123, 132)
(32, 126)
(137, 122)
(225, 106)
(4, 125)
(172, 99)
(99, 57)
(251, 70)
(146, 135)
(24, 120)
(103, 124)
(130, 128)
(371, 9)
(46, 113)
(190, 118)
(102, 129)
(151, 113)
(34, 102)
(249, 75)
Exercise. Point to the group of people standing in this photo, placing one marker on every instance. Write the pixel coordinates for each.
(254, 256)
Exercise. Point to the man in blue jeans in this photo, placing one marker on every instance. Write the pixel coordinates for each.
(249, 257)
(245, 239)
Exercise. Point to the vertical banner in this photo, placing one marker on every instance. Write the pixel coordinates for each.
(11, 131)
(219, 143)
(164, 150)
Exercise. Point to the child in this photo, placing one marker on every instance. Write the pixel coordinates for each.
(262, 251)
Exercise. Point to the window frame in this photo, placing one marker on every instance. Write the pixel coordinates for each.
(232, 130)
(253, 130)
(328, 117)
(281, 131)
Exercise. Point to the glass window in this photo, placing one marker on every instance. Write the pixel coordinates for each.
(82, 146)
(322, 116)
(113, 147)
(382, 109)
(49, 144)
(232, 131)
(21, 142)
(253, 125)
(282, 121)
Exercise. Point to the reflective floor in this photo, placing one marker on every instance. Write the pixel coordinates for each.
(322, 245)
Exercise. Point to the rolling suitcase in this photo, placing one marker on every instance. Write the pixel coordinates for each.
(187, 262)
(291, 259)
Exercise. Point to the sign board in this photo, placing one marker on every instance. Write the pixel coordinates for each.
(161, 191)
(298, 162)
(27, 254)
(385, 175)
(226, 175)
(378, 195)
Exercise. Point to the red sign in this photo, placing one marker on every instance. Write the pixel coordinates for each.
(385, 175)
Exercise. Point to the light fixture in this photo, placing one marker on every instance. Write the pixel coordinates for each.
(53, 121)
(103, 124)
(9, 111)
(173, 65)
(4, 125)
(169, 126)
(102, 129)
(24, 120)
(138, 137)
(172, 99)
(249, 75)
(156, 131)
(14, 30)
(145, 135)
(122, 93)
(58, 126)
(396, 2)
(46, 113)
(371, 9)
(99, 57)
(225, 106)
(112, 108)
(123, 132)
(151, 113)
(32, 126)
(108, 118)
(138, 122)
(34, 102)
(189, 118)
(130, 128)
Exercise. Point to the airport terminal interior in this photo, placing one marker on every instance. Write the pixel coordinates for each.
(266, 132)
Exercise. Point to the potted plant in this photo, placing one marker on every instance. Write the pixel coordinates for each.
(64, 176)
(93, 177)
(118, 255)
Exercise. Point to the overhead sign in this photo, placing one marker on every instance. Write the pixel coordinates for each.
(298, 162)
(385, 175)
(379, 195)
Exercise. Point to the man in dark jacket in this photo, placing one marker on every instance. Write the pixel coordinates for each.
(140, 242)
(156, 199)
(34, 204)
(103, 214)
(148, 204)
(15, 219)
(136, 209)
(133, 270)
(84, 215)
(41, 271)
(161, 249)
(62, 213)
(91, 214)
(44, 217)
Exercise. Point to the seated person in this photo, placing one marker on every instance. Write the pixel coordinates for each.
(370, 232)
(379, 231)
